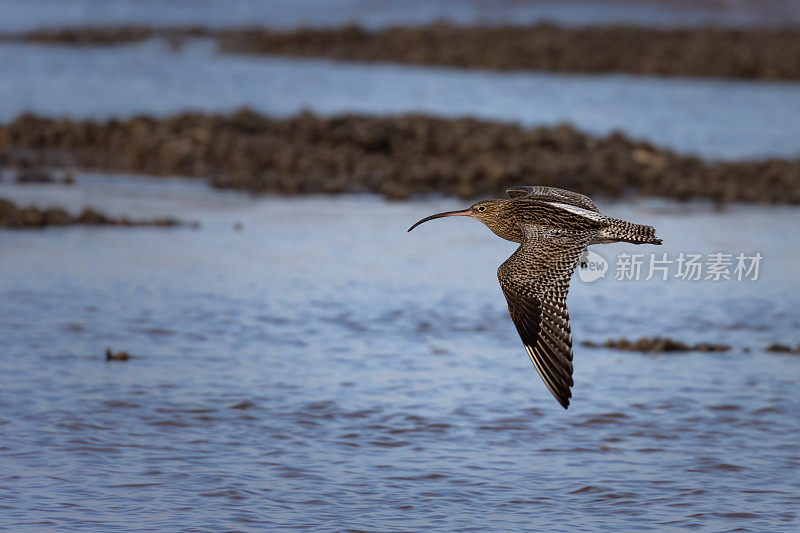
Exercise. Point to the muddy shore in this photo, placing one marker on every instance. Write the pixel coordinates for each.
(666, 345)
(753, 54)
(397, 156)
(764, 54)
(656, 345)
(15, 217)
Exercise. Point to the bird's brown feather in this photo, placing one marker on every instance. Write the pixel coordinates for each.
(535, 282)
(552, 194)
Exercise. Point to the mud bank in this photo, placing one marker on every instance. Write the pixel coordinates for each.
(783, 348)
(726, 53)
(15, 217)
(109, 35)
(395, 156)
(664, 345)
(86, 35)
(656, 344)
(38, 176)
(709, 52)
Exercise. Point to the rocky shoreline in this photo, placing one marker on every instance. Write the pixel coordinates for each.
(765, 54)
(397, 156)
(13, 216)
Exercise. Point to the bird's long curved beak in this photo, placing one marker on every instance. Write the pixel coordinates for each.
(464, 213)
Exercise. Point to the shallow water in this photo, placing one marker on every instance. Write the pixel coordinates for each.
(713, 118)
(323, 368)
(22, 15)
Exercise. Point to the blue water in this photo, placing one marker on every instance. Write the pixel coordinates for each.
(18, 15)
(712, 118)
(323, 368)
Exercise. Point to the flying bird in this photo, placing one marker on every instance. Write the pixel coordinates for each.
(553, 227)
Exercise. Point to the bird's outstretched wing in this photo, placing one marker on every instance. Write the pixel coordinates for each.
(535, 281)
(552, 194)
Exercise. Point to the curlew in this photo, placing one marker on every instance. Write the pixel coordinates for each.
(553, 227)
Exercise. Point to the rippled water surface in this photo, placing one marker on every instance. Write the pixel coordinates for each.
(320, 368)
(323, 368)
(713, 118)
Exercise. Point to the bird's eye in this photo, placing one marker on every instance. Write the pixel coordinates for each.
(481, 208)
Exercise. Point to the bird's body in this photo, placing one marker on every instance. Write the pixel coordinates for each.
(553, 227)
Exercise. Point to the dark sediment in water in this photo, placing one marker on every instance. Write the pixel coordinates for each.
(768, 54)
(39, 176)
(782, 348)
(87, 35)
(106, 35)
(15, 217)
(395, 156)
(657, 345)
(117, 356)
(661, 345)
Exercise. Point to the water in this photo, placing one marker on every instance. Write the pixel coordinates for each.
(19, 15)
(713, 118)
(323, 368)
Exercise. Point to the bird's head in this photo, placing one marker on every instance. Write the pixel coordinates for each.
(489, 212)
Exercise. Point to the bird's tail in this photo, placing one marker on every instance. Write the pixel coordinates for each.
(623, 231)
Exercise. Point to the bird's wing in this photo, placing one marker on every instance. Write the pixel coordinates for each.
(535, 281)
(553, 194)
